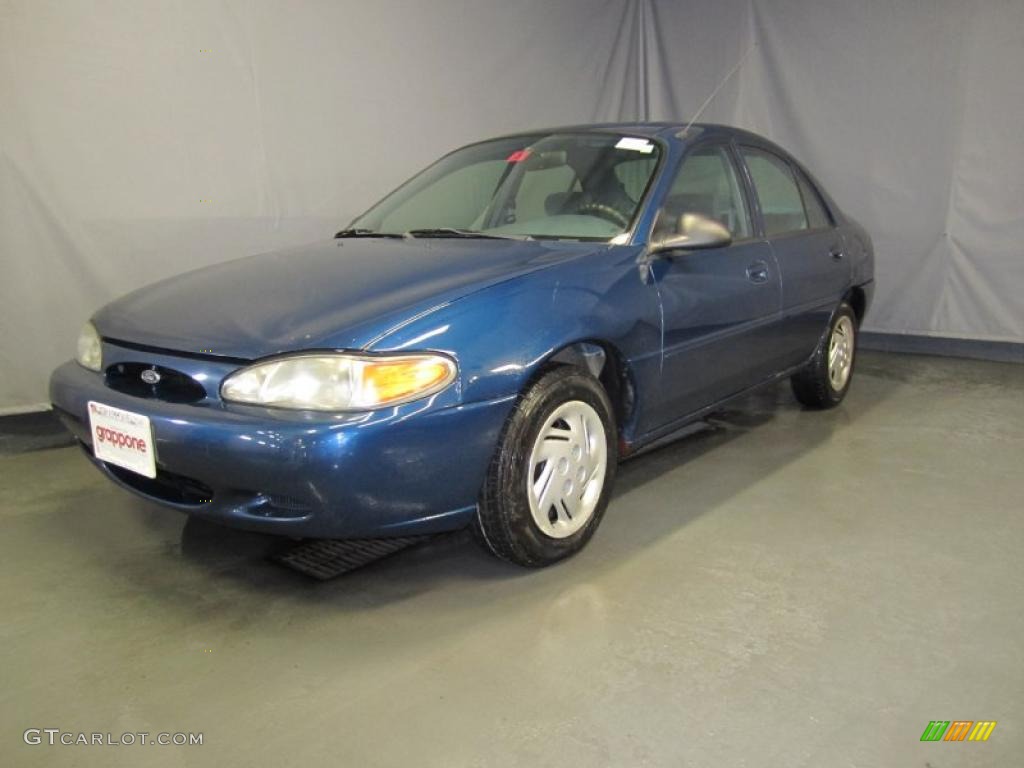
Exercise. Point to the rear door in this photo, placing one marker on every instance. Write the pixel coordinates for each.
(807, 246)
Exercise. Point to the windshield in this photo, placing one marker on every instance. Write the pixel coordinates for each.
(580, 186)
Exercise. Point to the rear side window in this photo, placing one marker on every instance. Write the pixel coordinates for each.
(782, 207)
(817, 217)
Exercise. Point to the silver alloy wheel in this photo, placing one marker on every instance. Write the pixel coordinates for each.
(840, 353)
(567, 469)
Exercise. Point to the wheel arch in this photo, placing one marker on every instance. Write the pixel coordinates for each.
(857, 299)
(605, 362)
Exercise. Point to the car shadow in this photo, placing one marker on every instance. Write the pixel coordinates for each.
(243, 558)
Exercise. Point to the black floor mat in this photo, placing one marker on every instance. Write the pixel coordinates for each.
(32, 432)
(326, 558)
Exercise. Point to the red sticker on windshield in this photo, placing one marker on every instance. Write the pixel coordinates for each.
(518, 156)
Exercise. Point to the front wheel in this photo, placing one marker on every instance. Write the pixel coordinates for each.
(551, 476)
(826, 379)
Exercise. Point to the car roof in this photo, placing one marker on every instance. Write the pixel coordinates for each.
(661, 130)
(673, 132)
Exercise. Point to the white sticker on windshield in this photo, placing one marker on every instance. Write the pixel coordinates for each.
(637, 145)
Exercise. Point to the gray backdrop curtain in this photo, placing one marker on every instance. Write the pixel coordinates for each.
(142, 138)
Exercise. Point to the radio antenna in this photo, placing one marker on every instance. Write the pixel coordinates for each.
(718, 87)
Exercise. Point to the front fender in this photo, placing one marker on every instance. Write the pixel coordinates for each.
(502, 335)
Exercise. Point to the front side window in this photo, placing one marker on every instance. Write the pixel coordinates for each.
(781, 205)
(586, 186)
(706, 184)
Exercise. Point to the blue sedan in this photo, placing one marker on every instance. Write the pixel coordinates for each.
(484, 345)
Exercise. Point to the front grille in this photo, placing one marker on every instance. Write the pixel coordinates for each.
(166, 486)
(171, 385)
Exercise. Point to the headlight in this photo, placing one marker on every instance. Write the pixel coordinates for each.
(339, 382)
(89, 353)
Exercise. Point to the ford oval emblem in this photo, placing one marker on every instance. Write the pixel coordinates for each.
(150, 376)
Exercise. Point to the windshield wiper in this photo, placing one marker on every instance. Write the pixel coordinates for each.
(363, 232)
(468, 233)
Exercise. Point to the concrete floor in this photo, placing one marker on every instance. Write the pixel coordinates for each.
(787, 588)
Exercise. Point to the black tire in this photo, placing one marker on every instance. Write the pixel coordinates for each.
(812, 385)
(504, 522)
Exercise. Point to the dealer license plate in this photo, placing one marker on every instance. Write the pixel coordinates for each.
(122, 438)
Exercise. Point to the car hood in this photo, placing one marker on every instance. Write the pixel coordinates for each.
(341, 294)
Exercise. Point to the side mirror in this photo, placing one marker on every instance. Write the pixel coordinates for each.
(694, 231)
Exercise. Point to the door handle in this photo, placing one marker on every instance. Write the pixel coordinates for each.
(836, 254)
(757, 272)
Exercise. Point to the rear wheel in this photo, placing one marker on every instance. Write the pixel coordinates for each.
(550, 479)
(826, 379)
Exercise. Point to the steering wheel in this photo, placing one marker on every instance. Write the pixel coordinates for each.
(605, 212)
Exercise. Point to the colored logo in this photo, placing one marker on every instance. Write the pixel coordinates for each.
(958, 730)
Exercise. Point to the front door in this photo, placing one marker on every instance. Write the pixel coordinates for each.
(720, 305)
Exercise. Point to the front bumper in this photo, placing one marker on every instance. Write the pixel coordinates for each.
(415, 469)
